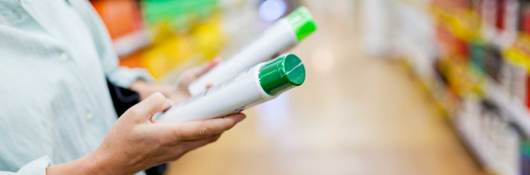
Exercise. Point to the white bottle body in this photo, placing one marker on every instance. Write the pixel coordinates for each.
(281, 36)
(231, 97)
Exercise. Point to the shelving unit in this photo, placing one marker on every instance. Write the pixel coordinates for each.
(519, 112)
(479, 150)
(479, 72)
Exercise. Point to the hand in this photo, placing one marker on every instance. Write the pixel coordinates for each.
(136, 142)
(193, 74)
(178, 93)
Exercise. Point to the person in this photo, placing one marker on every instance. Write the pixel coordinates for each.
(56, 114)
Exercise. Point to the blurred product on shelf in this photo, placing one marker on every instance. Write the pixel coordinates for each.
(525, 158)
(376, 26)
(181, 51)
(163, 36)
(493, 62)
(525, 17)
(132, 60)
(124, 23)
(163, 57)
(180, 15)
(482, 64)
(121, 17)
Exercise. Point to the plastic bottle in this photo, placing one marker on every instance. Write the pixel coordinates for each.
(261, 83)
(284, 34)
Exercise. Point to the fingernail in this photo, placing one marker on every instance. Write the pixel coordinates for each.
(239, 117)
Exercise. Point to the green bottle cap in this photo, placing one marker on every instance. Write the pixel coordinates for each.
(282, 73)
(302, 23)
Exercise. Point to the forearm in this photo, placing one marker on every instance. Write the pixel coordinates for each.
(93, 163)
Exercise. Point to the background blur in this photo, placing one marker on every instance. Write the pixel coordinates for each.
(426, 87)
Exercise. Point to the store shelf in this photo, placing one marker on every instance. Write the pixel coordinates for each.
(455, 24)
(489, 118)
(519, 112)
(478, 150)
(490, 157)
(132, 42)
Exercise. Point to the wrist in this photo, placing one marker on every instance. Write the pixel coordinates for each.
(87, 165)
(97, 163)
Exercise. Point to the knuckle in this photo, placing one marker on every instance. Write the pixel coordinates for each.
(168, 141)
(176, 136)
(204, 130)
(158, 96)
(160, 142)
(140, 111)
(135, 111)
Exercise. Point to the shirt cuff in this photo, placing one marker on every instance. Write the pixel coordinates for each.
(36, 167)
(124, 77)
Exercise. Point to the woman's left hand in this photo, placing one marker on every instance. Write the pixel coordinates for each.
(178, 93)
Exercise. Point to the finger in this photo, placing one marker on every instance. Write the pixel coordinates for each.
(206, 128)
(209, 86)
(195, 130)
(185, 147)
(206, 68)
(144, 110)
(191, 145)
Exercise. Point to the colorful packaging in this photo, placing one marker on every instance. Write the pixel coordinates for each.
(121, 17)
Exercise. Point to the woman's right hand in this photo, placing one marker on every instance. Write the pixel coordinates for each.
(136, 142)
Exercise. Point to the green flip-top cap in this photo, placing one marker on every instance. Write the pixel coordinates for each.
(282, 73)
(302, 23)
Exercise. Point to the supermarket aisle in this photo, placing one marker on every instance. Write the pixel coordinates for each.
(355, 115)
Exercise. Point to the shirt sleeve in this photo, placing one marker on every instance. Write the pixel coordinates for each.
(124, 77)
(36, 167)
(120, 76)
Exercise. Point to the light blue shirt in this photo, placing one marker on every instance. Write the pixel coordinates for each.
(55, 106)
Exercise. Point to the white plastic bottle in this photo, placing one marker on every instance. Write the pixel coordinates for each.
(261, 83)
(284, 34)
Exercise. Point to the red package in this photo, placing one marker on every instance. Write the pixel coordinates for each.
(525, 18)
(121, 17)
(500, 15)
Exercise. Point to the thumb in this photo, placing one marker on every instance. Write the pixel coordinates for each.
(145, 110)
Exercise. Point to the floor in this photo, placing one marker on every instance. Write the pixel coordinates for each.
(357, 115)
